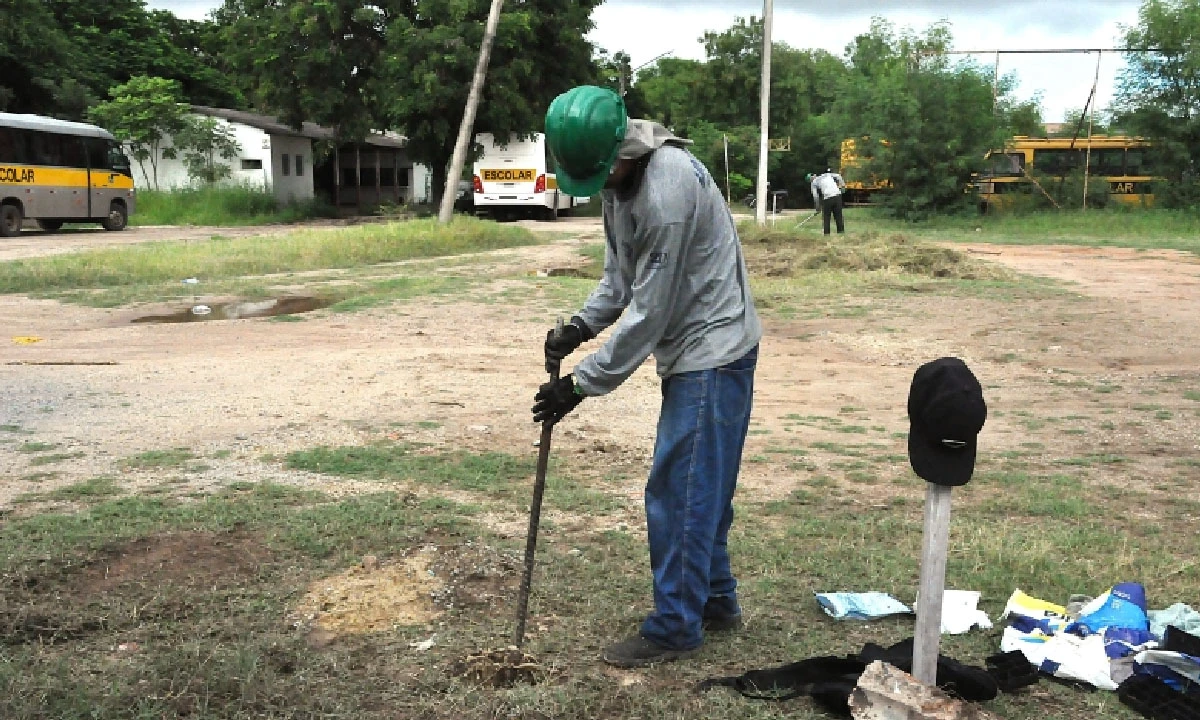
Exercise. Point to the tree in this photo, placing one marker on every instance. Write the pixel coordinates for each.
(432, 45)
(205, 142)
(39, 64)
(311, 60)
(1024, 117)
(142, 114)
(121, 39)
(1158, 93)
(616, 72)
(1076, 121)
(927, 123)
(704, 102)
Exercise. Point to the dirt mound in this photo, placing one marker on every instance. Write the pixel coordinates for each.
(371, 597)
(775, 252)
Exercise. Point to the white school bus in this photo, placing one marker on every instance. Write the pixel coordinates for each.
(54, 172)
(518, 179)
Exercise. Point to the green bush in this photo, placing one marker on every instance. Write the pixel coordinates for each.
(222, 206)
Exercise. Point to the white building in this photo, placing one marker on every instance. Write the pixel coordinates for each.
(298, 164)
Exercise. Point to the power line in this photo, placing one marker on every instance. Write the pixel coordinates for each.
(1042, 52)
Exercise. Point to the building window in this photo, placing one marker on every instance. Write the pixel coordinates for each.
(287, 165)
(251, 164)
(299, 165)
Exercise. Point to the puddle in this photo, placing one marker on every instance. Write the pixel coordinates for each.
(236, 310)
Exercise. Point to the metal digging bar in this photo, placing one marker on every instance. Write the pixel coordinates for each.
(535, 513)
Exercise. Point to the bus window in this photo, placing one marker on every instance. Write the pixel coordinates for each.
(1006, 164)
(18, 145)
(1108, 161)
(45, 149)
(1138, 161)
(9, 140)
(118, 161)
(1057, 162)
(97, 154)
(71, 151)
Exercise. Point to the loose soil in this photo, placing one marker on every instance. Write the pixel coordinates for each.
(456, 374)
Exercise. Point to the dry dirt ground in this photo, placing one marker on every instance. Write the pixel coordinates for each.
(461, 374)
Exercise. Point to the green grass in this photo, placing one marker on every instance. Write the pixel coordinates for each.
(92, 489)
(303, 250)
(1153, 229)
(37, 447)
(51, 458)
(498, 475)
(160, 459)
(221, 206)
(153, 271)
(203, 587)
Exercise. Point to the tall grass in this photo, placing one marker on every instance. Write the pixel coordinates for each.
(221, 206)
(223, 258)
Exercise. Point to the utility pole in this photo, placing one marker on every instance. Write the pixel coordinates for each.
(446, 211)
(760, 205)
(996, 82)
(1087, 163)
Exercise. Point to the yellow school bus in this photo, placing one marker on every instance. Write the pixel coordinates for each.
(55, 172)
(861, 186)
(1120, 161)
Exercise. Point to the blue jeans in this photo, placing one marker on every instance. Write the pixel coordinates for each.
(689, 498)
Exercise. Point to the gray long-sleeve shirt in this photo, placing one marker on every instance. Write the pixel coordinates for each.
(826, 185)
(675, 280)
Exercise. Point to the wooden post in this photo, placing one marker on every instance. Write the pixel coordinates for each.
(446, 211)
(996, 81)
(396, 175)
(337, 179)
(1087, 163)
(358, 178)
(764, 115)
(928, 633)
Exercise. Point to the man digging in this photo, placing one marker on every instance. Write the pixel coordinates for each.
(675, 285)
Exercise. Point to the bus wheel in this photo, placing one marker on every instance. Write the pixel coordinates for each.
(50, 225)
(117, 218)
(10, 220)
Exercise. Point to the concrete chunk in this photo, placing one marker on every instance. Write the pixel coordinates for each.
(887, 693)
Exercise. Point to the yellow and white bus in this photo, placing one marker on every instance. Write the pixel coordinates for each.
(518, 178)
(55, 172)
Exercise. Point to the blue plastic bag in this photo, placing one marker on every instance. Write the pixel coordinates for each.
(1123, 606)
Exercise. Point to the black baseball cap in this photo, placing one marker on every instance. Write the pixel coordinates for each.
(946, 411)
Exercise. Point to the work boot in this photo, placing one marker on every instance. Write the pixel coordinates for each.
(637, 651)
(720, 617)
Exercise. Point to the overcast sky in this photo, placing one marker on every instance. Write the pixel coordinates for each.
(648, 28)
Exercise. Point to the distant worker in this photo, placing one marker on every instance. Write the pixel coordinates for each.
(827, 189)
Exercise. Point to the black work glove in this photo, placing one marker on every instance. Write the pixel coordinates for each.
(555, 399)
(574, 334)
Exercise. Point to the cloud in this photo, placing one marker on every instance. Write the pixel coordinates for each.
(187, 9)
(1067, 19)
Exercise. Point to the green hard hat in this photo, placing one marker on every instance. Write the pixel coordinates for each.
(585, 127)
